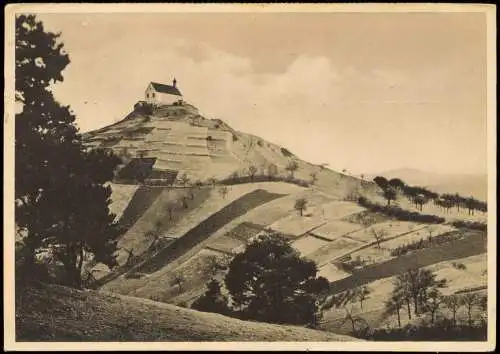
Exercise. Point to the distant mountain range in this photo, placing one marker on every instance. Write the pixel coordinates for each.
(464, 184)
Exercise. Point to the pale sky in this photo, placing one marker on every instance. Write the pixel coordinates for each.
(363, 91)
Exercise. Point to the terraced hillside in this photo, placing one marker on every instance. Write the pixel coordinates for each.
(173, 140)
(208, 192)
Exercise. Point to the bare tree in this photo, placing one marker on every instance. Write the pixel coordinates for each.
(223, 191)
(252, 170)
(191, 192)
(379, 235)
(272, 170)
(184, 179)
(362, 293)
(394, 305)
(171, 210)
(433, 303)
(453, 303)
(431, 230)
(184, 201)
(291, 167)
(213, 181)
(154, 235)
(355, 320)
(314, 177)
(470, 300)
(179, 281)
(130, 255)
(301, 205)
(367, 221)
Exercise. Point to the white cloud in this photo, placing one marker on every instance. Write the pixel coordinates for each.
(323, 114)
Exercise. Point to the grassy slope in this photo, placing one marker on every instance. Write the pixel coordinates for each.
(55, 313)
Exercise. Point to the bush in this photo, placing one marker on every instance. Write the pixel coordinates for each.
(235, 137)
(235, 179)
(424, 243)
(286, 152)
(459, 266)
(441, 331)
(474, 225)
(399, 213)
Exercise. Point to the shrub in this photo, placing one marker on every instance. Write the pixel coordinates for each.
(399, 213)
(235, 137)
(424, 243)
(286, 152)
(235, 179)
(474, 225)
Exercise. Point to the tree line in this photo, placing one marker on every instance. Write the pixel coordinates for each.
(419, 196)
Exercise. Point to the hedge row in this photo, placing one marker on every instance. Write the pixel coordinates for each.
(399, 213)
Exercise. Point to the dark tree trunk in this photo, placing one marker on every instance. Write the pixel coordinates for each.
(399, 317)
(408, 308)
(415, 300)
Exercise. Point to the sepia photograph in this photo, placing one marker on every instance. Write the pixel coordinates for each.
(243, 176)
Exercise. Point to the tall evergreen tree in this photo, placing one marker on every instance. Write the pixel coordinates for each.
(59, 186)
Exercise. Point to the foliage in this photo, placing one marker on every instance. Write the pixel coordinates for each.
(270, 282)
(417, 285)
(235, 179)
(389, 194)
(382, 182)
(291, 167)
(286, 152)
(442, 331)
(223, 191)
(252, 170)
(213, 300)
(399, 213)
(60, 194)
(300, 205)
(424, 243)
(474, 225)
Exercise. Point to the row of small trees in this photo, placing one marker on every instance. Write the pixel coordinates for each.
(421, 196)
(418, 292)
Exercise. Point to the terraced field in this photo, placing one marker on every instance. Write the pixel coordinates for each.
(473, 243)
(121, 196)
(308, 244)
(136, 237)
(205, 228)
(141, 200)
(335, 229)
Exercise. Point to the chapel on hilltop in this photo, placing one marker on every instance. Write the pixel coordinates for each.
(161, 94)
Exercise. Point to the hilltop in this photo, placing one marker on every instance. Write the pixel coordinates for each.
(164, 143)
(56, 313)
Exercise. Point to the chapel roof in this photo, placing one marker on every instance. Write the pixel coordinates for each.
(172, 90)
